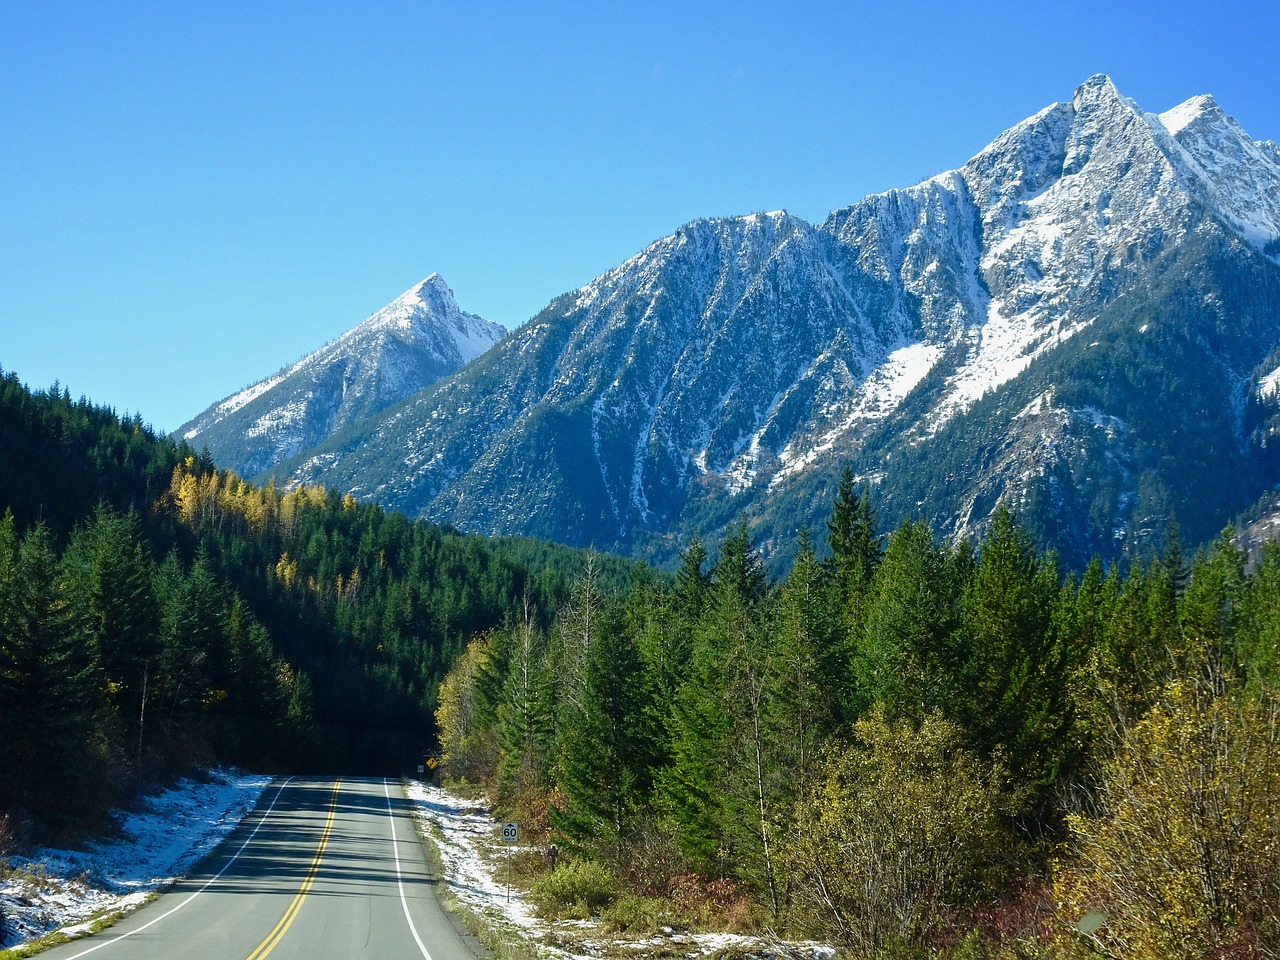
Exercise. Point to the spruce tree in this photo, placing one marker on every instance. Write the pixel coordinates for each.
(54, 713)
(607, 755)
(1015, 669)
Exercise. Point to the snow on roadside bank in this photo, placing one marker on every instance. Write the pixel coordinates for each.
(156, 845)
(177, 828)
(471, 855)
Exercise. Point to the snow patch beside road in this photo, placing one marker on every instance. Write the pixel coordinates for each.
(155, 846)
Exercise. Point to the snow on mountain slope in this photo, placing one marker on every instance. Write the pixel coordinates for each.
(1237, 177)
(739, 357)
(410, 343)
(1067, 204)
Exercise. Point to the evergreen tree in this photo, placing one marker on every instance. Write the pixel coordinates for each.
(52, 721)
(696, 785)
(1015, 669)
(111, 571)
(910, 656)
(1080, 623)
(856, 546)
(739, 572)
(1208, 609)
(856, 552)
(575, 632)
(1258, 636)
(692, 584)
(193, 659)
(607, 756)
(807, 671)
(525, 714)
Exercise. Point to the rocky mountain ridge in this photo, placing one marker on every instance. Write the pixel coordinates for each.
(1072, 320)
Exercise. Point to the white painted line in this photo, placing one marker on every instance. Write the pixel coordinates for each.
(226, 866)
(395, 852)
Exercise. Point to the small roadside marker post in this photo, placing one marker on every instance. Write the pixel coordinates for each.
(510, 835)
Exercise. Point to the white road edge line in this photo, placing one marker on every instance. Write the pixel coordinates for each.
(395, 853)
(226, 866)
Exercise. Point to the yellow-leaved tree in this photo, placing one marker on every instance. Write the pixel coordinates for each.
(1183, 858)
(467, 745)
(904, 828)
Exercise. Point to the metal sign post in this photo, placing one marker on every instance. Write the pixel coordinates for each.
(510, 835)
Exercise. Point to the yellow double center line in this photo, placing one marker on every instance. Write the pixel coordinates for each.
(276, 935)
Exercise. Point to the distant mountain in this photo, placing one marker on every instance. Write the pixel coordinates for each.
(1084, 320)
(409, 344)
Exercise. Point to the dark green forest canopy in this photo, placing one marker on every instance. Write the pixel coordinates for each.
(204, 619)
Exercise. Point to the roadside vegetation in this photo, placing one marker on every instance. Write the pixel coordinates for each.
(905, 748)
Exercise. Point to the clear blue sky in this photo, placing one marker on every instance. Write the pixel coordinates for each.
(194, 194)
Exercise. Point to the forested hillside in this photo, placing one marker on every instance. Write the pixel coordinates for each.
(911, 748)
(157, 613)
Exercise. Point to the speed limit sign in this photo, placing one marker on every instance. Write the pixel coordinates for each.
(510, 832)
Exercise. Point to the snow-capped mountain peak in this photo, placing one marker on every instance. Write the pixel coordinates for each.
(1235, 176)
(1198, 108)
(416, 339)
(427, 313)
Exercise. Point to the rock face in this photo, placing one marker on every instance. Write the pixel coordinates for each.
(1083, 320)
(409, 344)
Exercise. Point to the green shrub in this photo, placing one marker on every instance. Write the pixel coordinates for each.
(903, 830)
(580, 888)
(1180, 863)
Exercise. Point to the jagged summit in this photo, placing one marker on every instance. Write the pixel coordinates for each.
(428, 299)
(406, 346)
(1199, 109)
(428, 314)
(1099, 91)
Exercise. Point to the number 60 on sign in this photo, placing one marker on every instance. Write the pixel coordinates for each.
(510, 832)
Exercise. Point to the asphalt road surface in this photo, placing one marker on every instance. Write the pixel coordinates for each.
(321, 869)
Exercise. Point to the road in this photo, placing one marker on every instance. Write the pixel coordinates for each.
(321, 869)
